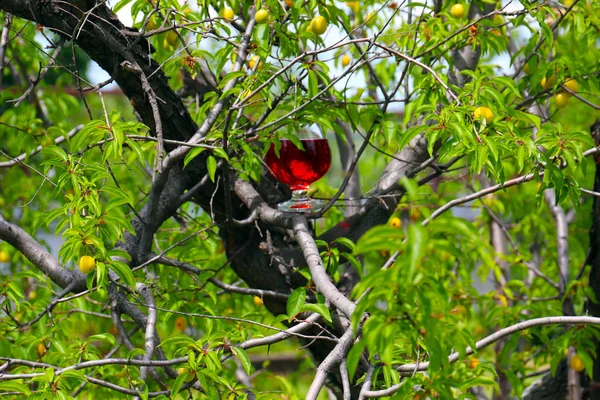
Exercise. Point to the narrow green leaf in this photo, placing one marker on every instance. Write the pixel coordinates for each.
(211, 165)
(313, 83)
(55, 151)
(296, 301)
(124, 272)
(103, 337)
(11, 386)
(244, 359)
(177, 384)
(415, 245)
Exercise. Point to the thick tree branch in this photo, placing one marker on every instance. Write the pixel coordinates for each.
(333, 359)
(40, 257)
(317, 271)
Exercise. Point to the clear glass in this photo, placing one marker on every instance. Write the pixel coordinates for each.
(299, 168)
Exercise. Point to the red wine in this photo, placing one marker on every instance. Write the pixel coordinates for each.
(297, 168)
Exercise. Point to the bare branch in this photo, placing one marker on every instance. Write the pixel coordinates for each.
(333, 358)
(150, 326)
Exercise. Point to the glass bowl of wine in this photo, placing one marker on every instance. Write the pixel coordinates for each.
(299, 168)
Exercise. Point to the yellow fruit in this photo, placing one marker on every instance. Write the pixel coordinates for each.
(354, 5)
(457, 10)
(171, 38)
(474, 362)
(180, 323)
(415, 214)
(561, 100)
(254, 100)
(152, 24)
(526, 69)
(576, 363)
(571, 84)
(309, 28)
(47, 140)
(253, 60)
(546, 83)
(484, 112)
(41, 349)
(346, 60)
(395, 222)
(182, 371)
(568, 3)
(261, 16)
(318, 25)
(228, 14)
(498, 19)
(502, 299)
(32, 295)
(258, 301)
(87, 264)
(4, 257)
(370, 19)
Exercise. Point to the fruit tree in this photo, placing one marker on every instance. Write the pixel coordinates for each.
(142, 253)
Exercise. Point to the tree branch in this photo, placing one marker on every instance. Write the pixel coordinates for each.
(332, 359)
(150, 326)
(40, 257)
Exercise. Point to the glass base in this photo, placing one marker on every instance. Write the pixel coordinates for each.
(300, 202)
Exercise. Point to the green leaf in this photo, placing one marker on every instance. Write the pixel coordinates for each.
(415, 246)
(49, 372)
(177, 384)
(55, 151)
(103, 337)
(588, 362)
(409, 135)
(317, 308)
(244, 359)
(192, 154)
(230, 76)
(178, 341)
(313, 83)
(382, 237)
(124, 272)
(211, 165)
(296, 301)
(12, 386)
(353, 358)
(220, 153)
(345, 242)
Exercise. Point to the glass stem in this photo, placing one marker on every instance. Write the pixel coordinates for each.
(300, 196)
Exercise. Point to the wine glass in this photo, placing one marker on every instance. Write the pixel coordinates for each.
(298, 168)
